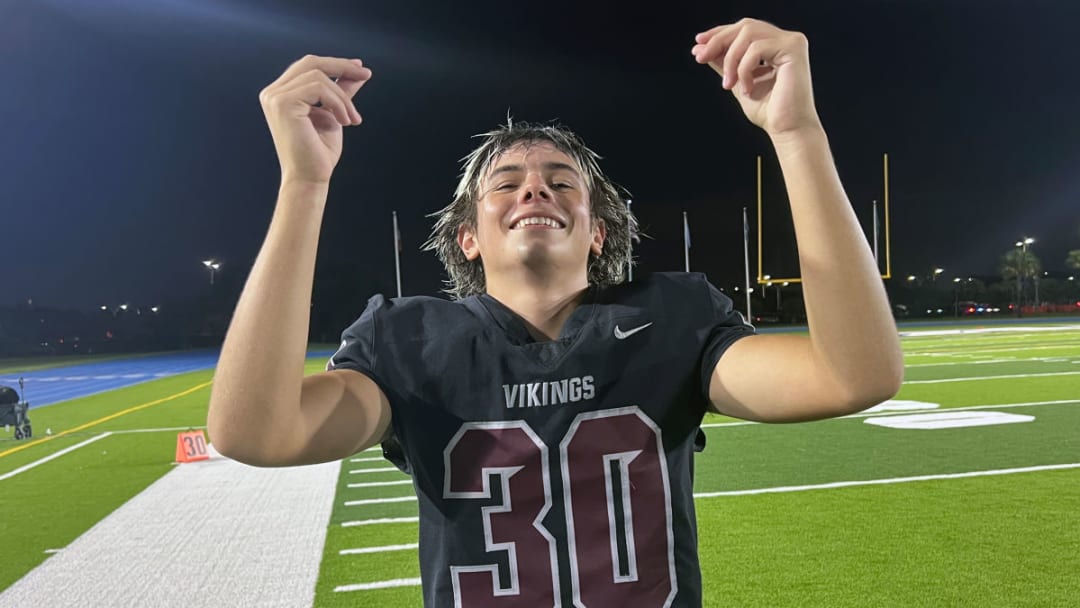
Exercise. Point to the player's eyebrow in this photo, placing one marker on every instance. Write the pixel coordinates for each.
(548, 166)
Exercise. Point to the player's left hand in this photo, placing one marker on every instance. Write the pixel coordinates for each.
(767, 69)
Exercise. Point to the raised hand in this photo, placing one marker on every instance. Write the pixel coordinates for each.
(306, 108)
(766, 68)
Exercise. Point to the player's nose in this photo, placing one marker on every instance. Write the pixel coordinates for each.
(534, 190)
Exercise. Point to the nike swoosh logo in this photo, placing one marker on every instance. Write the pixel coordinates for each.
(622, 335)
(332, 364)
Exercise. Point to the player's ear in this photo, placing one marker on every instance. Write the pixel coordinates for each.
(599, 235)
(466, 239)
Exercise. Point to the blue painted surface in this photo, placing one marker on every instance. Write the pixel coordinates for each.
(48, 386)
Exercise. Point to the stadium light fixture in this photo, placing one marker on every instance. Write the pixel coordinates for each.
(911, 278)
(212, 266)
(123, 307)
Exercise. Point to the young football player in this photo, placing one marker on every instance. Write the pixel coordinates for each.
(549, 412)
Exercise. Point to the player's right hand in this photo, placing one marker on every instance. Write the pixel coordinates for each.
(307, 108)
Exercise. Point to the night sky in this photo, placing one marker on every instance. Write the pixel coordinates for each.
(134, 145)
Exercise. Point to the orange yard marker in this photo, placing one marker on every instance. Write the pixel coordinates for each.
(191, 446)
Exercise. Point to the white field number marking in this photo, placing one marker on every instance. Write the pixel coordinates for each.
(948, 420)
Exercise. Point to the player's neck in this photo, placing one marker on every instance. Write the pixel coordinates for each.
(544, 306)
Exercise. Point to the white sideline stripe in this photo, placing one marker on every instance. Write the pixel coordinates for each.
(376, 459)
(987, 330)
(378, 501)
(27, 467)
(943, 380)
(974, 351)
(397, 582)
(53, 550)
(374, 449)
(162, 430)
(993, 361)
(361, 550)
(375, 484)
(869, 482)
(945, 409)
(380, 521)
(380, 470)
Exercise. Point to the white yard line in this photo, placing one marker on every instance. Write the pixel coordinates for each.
(380, 521)
(891, 480)
(992, 361)
(376, 484)
(974, 349)
(27, 467)
(397, 582)
(375, 459)
(383, 549)
(378, 501)
(1001, 377)
(701, 495)
(379, 470)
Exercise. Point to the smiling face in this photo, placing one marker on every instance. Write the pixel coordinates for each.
(533, 213)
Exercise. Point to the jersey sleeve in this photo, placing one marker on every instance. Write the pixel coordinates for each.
(357, 350)
(726, 326)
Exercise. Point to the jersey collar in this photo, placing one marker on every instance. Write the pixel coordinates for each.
(514, 327)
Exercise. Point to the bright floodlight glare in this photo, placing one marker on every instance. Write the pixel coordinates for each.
(939, 270)
(153, 309)
(215, 265)
(123, 307)
(104, 308)
(1019, 244)
(767, 277)
(956, 280)
(1029, 241)
(208, 262)
(911, 277)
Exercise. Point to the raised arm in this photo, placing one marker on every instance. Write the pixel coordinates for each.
(263, 411)
(852, 358)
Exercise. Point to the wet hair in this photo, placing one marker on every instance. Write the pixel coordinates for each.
(606, 200)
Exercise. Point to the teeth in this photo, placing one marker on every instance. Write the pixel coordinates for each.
(532, 221)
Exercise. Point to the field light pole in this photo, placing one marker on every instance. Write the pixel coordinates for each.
(212, 266)
(1023, 246)
(956, 297)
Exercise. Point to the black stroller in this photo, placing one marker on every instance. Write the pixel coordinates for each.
(13, 412)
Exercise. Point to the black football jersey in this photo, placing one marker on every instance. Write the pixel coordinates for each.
(551, 473)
